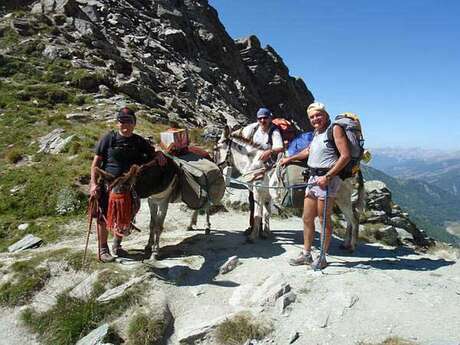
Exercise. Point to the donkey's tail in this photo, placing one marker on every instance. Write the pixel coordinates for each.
(361, 201)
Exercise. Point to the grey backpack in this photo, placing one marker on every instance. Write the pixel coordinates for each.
(352, 127)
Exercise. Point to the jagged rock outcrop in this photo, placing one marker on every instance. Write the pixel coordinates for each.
(384, 220)
(284, 95)
(171, 55)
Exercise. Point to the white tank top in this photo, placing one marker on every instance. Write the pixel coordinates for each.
(321, 155)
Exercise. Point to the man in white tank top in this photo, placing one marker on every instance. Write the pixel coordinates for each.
(325, 163)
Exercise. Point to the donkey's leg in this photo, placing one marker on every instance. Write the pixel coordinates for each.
(153, 207)
(207, 230)
(258, 211)
(158, 212)
(343, 201)
(267, 213)
(159, 224)
(193, 220)
(354, 231)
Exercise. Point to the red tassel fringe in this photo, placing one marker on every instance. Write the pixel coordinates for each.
(120, 213)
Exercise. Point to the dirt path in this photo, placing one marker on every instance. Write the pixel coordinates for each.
(377, 293)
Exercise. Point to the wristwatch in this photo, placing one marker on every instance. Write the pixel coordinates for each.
(328, 177)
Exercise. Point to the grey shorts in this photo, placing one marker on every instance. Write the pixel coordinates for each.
(318, 193)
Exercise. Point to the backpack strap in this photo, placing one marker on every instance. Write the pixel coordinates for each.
(113, 137)
(270, 134)
(330, 137)
(253, 132)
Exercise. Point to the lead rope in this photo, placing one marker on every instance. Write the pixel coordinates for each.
(322, 254)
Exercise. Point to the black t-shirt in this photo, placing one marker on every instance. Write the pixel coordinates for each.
(119, 152)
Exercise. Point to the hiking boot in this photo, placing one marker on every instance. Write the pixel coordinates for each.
(302, 259)
(119, 251)
(104, 255)
(319, 264)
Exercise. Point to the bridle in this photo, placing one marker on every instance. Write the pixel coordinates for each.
(228, 154)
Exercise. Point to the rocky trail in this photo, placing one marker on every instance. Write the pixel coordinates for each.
(374, 294)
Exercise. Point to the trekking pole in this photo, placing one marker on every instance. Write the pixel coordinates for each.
(322, 254)
(91, 205)
(86, 245)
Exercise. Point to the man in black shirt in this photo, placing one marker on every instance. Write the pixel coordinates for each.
(115, 153)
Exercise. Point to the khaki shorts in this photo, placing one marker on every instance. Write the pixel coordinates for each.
(319, 193)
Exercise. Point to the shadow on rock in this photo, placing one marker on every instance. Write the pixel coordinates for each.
(215, 249)
(422, 264)
(378, 256)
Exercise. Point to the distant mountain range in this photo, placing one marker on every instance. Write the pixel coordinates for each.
(438, 168)
(430, 206)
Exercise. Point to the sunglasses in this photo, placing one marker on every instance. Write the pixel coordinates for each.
(126, 119)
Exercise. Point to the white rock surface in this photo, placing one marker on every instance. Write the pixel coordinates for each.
(229, 265)
(119, 290)
(53, 142)
(84, 289)
(28, 241)
(23, 226)
(272, 288)
(95, 337)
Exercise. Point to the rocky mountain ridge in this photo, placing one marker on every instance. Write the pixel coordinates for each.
(172, 55)
(430, 206)
(439, 168)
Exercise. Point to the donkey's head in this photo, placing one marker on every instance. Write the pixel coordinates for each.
(234, 149)
(121, 184)
(222, 148)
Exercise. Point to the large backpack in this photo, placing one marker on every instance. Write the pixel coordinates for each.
(286, 128)
(352, 127)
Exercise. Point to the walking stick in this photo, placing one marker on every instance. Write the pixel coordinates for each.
(92, 205)
(323, 232)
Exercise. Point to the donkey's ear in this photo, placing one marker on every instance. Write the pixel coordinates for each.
(226, 132)
(104, 175)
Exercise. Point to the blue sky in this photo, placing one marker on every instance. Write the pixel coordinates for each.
(394, 63)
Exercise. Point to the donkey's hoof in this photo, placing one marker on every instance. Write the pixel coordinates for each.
(265, 235)
(190, 228)
(347, 247)
(147, 253)
(248, 231)
(207, 231)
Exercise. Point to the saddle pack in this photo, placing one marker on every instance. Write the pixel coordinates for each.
(351, 125)
(289, 175)
(200, 180)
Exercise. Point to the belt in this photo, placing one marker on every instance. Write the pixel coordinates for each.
(318, 171)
